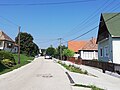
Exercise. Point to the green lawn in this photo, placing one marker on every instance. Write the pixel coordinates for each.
(23, 60)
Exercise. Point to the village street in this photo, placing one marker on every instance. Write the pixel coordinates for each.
(60, 45)
(41, 74)
(46, 74)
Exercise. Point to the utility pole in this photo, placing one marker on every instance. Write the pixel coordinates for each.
(19, 45)
(60, 48)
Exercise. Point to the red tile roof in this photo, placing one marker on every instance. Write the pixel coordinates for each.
(76, 45)
(82, 45)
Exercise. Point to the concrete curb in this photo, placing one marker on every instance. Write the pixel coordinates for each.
(71, 79)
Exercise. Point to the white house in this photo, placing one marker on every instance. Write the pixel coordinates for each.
(85, 49)
(6, 43)
(89, 51)
(108, 38)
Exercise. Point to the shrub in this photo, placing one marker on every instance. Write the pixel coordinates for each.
(7, 58)
(8, 62)
(2, 67)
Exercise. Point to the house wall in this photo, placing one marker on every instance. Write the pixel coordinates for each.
(15, 49)
(106, 53)
(89, 54)
(116, 50)
(1, 45)
(6, 48)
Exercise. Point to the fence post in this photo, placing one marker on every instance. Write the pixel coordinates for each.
(103, 67)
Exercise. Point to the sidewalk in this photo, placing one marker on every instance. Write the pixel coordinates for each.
(102, 80)
(99, 79)
(70, 73)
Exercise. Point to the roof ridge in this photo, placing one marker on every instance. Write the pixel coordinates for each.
(4, 36)
(91, 44)
(113, 23)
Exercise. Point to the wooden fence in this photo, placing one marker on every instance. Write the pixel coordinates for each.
(75, 60)
(98, 64)
(103, 65)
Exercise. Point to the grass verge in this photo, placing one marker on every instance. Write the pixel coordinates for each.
(23, 61)
(73, 69)
(89, 86)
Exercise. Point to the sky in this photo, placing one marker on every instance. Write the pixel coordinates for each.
(48, 20)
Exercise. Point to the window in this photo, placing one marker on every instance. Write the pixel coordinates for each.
(9, 45)
(101, 52)
(106, 51)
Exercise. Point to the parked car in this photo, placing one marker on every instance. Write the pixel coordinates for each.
(48, 57)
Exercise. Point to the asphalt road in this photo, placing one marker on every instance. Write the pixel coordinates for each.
(41, 74)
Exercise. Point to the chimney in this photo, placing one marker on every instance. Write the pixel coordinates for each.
(92, 40)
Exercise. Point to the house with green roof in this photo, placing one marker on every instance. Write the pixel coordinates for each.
(108, 38)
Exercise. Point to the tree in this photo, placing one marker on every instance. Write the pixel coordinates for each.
(57, 55)
(62, 48)
(34, 50)
(27, 46)
(50, 51)
(43, 52)
(68, 53)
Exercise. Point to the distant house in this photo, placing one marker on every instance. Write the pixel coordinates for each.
(75, 46)
(85, 49)
(89, 51)
(6, 43)
(108, 38)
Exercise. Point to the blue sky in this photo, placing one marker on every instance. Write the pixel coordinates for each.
(47, 23)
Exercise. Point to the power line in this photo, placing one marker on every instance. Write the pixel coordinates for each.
(9, 21)
(92, 28)
(112, 17)
(115, 7)
(48, 41)
(82, 34)
(48, 3)
(91, 17)
(71, 43)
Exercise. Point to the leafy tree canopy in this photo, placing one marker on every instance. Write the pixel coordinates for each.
(68, 53)
(57, 53)
(27, 46)
(50, 51)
